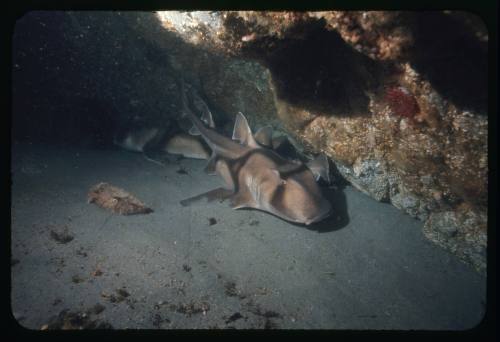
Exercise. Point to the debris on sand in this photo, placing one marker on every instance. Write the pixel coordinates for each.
(158, 320)
(269, 324)
(212, 221)
(191, 308)
(77, 279)
(116, 200)
(111, 297)
(262, 291)
(97, 309)
(182, 170)
(67, 320)
(121, 295)
(61, 236)
(81, 252)
(97, 273)
(268, 315)
(231, 291)
(234, 317)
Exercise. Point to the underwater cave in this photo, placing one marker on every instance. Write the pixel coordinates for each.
(249, 170)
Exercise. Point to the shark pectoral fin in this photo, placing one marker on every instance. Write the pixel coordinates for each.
(241, 200)
(220, 194)
(210, 168)
(222, 168)
(320, 168)
(194, 131)
(263, 136)
(242, 131)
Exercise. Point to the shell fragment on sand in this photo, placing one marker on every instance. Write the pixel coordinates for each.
(116, 200)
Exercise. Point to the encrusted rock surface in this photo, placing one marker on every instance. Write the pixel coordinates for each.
(397, 100)
(460, 231)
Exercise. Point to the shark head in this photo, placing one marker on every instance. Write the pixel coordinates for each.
(288, 191)
(298, 198)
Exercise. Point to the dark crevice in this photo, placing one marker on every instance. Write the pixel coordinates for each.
(321, 72)
(453, 59)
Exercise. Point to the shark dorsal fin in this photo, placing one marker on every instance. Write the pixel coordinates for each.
(194, 131)
(206, 117)
(264, 136)
(242, 131)
(320, 168)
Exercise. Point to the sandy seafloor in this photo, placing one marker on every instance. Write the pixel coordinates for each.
(369, 268)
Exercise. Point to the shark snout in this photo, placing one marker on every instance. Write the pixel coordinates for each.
(326, 210)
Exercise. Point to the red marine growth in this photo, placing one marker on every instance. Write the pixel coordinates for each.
(401, 102)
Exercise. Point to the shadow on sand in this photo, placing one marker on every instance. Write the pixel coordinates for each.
(339, 218)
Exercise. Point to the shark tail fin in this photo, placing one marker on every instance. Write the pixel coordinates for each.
(206, 116)
(201, 105)
(183, 119)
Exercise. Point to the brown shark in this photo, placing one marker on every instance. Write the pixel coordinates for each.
(256, 176)
(187, 146)
(142, 139)
(136, 140)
